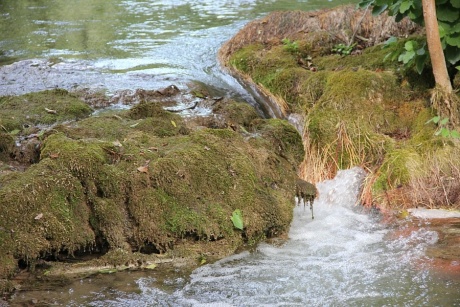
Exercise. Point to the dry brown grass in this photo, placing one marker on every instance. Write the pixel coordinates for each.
(338, 23)
(344, 152)
(436, 183)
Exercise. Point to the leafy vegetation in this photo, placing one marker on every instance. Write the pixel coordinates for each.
(448, 14)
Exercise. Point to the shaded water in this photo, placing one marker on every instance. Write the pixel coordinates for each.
(343, 257)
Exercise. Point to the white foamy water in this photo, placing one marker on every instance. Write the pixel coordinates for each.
(341, 258)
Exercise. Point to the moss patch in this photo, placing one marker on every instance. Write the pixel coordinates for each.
(131, 181)
(17, 113)
(358, 109)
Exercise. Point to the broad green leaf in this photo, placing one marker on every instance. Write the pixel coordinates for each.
(237, 219)
(409, 45)
(377, 10)
(405, 6)
(457, 67)
(420, 63)
(445, 132)
(445, 13)
(436, 119)
(455, 28)
(455, 3)
(421, 51)
(452, 54)
(15, 131)
(455, 134)
(390, 42)
(444, 121)
(365, 3)
(442, 30)
(453, 40)
(406, 57)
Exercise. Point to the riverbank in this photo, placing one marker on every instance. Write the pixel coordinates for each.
(137, 186)
(358, 108)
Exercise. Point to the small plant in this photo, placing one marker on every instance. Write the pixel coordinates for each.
(343, 49)
(443, 129)
(411, 55)
(290, 46)
(237, 219)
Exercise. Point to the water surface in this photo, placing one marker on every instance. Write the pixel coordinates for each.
(120, 44)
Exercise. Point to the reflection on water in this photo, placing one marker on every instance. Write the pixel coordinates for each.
(343, 257)
(156, 42)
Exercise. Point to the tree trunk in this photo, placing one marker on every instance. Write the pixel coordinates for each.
(438, 61)
(444, 100)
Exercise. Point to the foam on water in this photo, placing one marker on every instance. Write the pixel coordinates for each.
(341, 258)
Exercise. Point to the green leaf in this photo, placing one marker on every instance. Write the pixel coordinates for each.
(237, 219)
(151, 266)
(455, 3)
(444, 121)
(420, 63)
(445, 13)
(442, 30)
(405, 6)
(453, 40)
(445, 132)
(452, 54)
(390, 42)
(436, 119)
(406, 57)
(379, 9)
(457, 67)
(455, 134)
(409, 45)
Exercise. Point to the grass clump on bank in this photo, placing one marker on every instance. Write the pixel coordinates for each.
(357, 109)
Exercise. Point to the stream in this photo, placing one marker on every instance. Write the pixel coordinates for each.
(344, 257)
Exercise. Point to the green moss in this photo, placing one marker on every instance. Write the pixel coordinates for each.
(109, 127)
(6, 145)
(237, 112)
(394, 171)
(129, 180)
(283, 137)
(47, 108)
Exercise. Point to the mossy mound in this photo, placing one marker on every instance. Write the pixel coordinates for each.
(17, 113)
(131, 181)
(357, 110)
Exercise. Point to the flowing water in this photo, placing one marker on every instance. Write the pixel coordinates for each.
(344, 257)
(124, 44)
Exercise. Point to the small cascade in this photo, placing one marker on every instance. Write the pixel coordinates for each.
(341, 258)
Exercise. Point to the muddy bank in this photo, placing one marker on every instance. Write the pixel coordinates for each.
(137, 186)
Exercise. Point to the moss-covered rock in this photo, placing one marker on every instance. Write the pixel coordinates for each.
(17, 113)
(128, 182)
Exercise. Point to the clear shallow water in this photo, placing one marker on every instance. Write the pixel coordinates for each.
(344, 257)
(120, 44)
